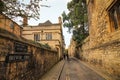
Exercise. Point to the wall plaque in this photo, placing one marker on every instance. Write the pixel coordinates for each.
(20, 47)
(11, 58)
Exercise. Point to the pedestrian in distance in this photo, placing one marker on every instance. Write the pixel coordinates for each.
(67, 56)
(64, 56)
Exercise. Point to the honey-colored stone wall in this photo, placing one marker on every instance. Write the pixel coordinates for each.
(71, 48)
(14, 65)
(9, 25)
(102, 47)
(105, 56)
(33, 68)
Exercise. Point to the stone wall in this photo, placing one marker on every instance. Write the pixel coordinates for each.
(22, 59)
(105, 56)
(71, 48)
(102, 47)
(9, 25)
(30, 69)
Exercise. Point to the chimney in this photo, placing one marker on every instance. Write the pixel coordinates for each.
(60, 20)
(25, 21)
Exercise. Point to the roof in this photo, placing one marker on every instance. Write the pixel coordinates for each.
(45, 23)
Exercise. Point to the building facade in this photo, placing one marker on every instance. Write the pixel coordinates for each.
(71, 48)
(46, 33)
(102, 47)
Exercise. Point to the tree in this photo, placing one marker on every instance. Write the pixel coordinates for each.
(66, 21)
(76, 19)
(15, 8)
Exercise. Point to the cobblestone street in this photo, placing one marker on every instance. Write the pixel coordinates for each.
(73, 69)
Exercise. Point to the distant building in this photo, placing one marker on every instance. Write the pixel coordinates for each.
(72, 47)
(46, 33)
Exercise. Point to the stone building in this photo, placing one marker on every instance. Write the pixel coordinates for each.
(46, 33)
(102, 47)
(71, 48)
(21, 59)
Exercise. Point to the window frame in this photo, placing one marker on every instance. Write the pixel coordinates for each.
(114, 16)
(48, 36)
(36, 36)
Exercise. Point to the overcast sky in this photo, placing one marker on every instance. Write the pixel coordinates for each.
(52, 13)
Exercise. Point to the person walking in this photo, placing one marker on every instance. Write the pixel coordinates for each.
(64, 56)
(67, 56)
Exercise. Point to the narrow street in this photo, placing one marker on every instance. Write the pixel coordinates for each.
(73, 69)
(59, 39)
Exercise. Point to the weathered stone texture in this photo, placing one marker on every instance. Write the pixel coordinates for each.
(41, 61)
(22, 68)
(102, 47)
(71, 48)
(106, 56)
(9, 25)
(99, 20)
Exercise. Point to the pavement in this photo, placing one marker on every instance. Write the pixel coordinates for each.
(55, 72)
(98, 70)
(74, 69)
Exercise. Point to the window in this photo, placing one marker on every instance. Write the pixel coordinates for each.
(36, 37)
(114, 14)
(48, 36)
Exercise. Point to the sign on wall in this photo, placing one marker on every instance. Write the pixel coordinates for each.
(11, 58)
(20, 47)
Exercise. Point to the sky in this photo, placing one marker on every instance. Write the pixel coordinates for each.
(52, 13)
